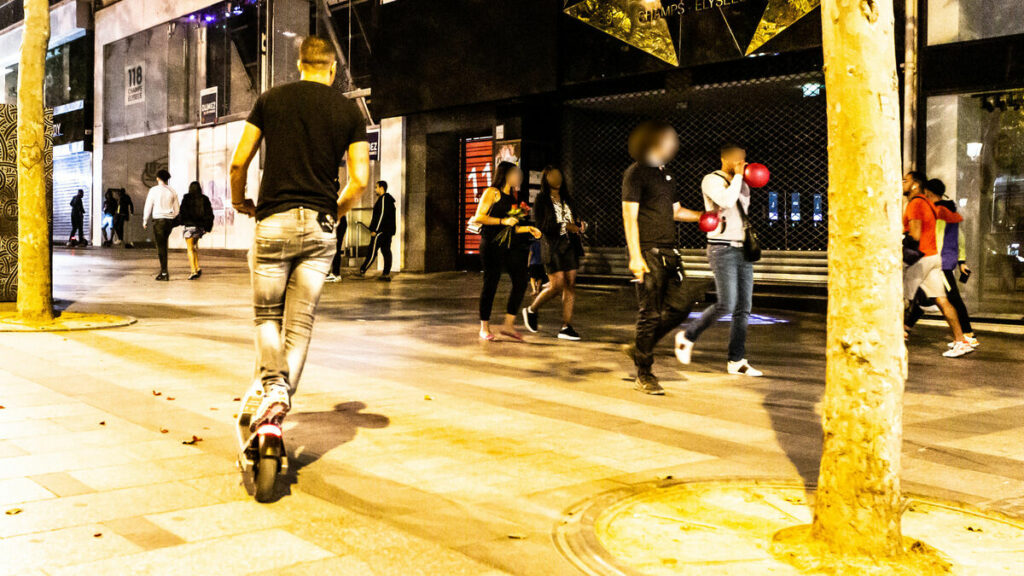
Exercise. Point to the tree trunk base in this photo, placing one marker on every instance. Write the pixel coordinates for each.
(798, 547)
(64, 322)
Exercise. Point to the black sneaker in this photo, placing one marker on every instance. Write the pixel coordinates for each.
(568, 333)
(194, 276)
(647, 383)
(384, 279)
(163, 277)
(530, 319)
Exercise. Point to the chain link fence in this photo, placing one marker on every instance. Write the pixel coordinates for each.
(781, 121)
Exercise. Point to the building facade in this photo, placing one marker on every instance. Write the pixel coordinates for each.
(68, 92)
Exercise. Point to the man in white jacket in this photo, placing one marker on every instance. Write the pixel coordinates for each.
(726, 193)
(161, 210)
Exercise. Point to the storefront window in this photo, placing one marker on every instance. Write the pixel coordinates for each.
(964, 20)
(976, 146)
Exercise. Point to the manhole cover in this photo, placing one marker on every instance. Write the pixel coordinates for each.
(726, 529)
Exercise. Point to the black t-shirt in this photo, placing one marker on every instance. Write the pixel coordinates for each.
(307, 127)
(655, 190)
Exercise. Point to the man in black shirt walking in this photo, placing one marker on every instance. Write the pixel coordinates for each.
(308, 127)
(650, 210)
(382, 230)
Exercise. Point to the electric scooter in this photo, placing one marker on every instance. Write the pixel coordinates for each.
(261, 453)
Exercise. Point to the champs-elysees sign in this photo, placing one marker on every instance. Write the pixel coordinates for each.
(647, 24)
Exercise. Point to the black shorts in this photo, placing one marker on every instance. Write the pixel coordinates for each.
(561, 255)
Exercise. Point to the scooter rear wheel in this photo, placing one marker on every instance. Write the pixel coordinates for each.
(266, 478)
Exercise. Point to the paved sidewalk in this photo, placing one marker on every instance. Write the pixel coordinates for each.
(415, 448)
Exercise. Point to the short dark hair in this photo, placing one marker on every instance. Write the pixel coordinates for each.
(936, 186)
(727, 147)
(163, 175)
(918, 177)
(645, 136)
(317, 53)
(383, 185)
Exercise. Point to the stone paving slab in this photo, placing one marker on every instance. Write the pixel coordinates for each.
(415, 448)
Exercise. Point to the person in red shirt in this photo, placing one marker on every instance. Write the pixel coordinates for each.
(919, 218)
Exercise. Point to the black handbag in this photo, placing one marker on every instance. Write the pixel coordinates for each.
(751, 244)
(911, 250)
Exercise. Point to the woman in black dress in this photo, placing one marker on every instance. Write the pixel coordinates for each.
(557, 217)
(196, 217)
(496, 254)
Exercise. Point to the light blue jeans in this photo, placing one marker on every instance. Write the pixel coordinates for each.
(290, 257)
(734, 286)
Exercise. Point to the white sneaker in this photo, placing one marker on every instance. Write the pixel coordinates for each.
(970, 340)
(743, 368)
(959, 349)
(332, 278)
(276, 402)
(684, 348)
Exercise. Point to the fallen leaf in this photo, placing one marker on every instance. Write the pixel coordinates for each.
(428, 397)
(170, 397)
(14, 511)
(214, 408)
(973, 529)
(2, 407)
(103, 423)
(163, 430)
(664, 476)
(98, 535)
(195, 440)
(517, 536)
(155, 393)
(237, 399)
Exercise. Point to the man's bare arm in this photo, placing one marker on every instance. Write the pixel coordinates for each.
(680, 214)
(247, 147)
(358, 164)
(630, 213)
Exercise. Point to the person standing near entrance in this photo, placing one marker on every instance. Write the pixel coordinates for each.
(107, 222)
(161, 210)
(650, 210)
(726, 193)
(77, 237)
(196, 218)
(308, 127)
(382, 230)
(125, 210)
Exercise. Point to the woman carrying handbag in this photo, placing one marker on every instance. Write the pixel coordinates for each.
(196, 217)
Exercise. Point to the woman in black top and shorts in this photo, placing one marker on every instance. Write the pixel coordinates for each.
(496, 255)
(556, 214)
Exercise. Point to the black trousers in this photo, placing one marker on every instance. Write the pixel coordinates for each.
(78, 229)
(161, 233)
(916, 312)
(380, 243)
(339, 233)
(495, 260)
(119, 227)
(664, 301)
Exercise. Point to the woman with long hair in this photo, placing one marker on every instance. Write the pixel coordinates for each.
(197, 219)
(498, 253)
(557, 217)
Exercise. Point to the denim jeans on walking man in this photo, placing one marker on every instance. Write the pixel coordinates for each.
(290, 258)
(734, 286)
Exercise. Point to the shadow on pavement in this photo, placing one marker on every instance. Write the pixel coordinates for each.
(311, 435)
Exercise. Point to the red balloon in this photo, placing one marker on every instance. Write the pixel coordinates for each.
(756, 175)
(709, 221)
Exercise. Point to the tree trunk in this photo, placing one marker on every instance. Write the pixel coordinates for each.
(858, 506)
(35, 287)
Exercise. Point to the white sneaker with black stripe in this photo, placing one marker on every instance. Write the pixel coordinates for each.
(743, 368)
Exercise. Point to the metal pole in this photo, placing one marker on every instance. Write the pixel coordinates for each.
(910, 88)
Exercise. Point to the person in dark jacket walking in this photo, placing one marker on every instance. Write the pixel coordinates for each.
(382, 230)
(107, 223)
(77, 237)
(196, 218)
(125, 209)
(556, 214)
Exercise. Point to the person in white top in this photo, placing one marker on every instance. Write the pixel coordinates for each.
(726, 193)
(161, 210)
